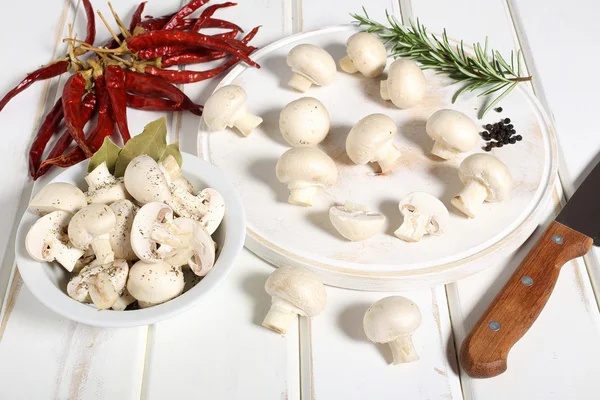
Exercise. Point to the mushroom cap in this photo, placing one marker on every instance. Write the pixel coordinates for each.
(390, 318)
(223, 106)
(426, 204)
(143, 224)
(89, 223)
(203, 251)
(120, 237)
(155, 283)
(145, 182)
(77, 288)
(216, 209)
(406, 83)
(304, 122)
(104, 187)
(368, 53)
(307, 164)
(44, 228)
(453, 128)
(313, 62)
(58, 196)
(489, 171)
(368, 136)
(355, 222)
(300, 287)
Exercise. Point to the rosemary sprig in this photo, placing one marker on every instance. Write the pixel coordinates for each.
(487, 69)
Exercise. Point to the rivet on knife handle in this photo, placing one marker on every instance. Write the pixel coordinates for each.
(484, 352)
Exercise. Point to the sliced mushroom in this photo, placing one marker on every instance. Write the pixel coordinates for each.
(123, 301)
(58, 196)
(423, 214)
(47, 240)
(99, 283)
(104, 188)
(372, 140)
(355, 222)
(208, 207)
(145, 182)
(152, 284)
(174, 176)
(226, 107)
(120, 237)
(311, 65)
(91, 227)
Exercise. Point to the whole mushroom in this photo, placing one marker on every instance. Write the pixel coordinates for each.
(486, 179)
(304, 170)
(47, 240)
(304, 122)
(120, 237)
(366, 54)
(355, 222)
(154, 283)
(392, 320)
(58, 196)
(405, 85)
(226, 108)
(423, 214)
(294, 291)
(311, 65)
(372, 140)
(100, 284)
(91, 227)
(104, 188)
(145, 181)
(453, 133)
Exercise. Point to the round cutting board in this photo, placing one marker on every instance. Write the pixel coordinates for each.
(282, 233)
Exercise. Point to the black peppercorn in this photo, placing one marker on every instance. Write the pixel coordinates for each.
(505, 140)
(488, 148)
(498, 109)
(507, 120)
(510, 126)
(512, 140)
(500, 144)
(500, 124)
(488, 126)
(519, 138)
(512, 131)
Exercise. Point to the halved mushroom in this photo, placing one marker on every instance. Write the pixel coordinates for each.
(423, 214)
(173, 173)
(58, 196)
(120, 237)
(355, 222)
(145, 182)
(91, 227)
(154, 283)
(47, 240)
(99, 283)
(104, 188)
(311, 65)
(208, 207)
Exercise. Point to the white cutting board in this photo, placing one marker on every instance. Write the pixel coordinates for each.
(282, 233)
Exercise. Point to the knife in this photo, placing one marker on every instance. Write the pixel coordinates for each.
(484, 352)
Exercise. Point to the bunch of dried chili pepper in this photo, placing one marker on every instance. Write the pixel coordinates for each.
(128, 71)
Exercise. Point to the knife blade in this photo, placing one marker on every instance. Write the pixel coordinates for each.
(484, 352)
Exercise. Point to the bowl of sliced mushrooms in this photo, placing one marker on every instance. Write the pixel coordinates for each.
(138, 236)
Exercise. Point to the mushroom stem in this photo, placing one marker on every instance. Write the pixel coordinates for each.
(383, 90)
(388, 158)
(165, 234)
(300, 82)
(413, 228)
(302, 195)
(66, 255)
(247, 122)
(403, 350)
(103, 292)
(442, 151)
(103, 250)
(347, 65)
(470, 199)
(280, 315)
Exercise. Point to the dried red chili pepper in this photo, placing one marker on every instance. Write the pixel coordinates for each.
(154, 24)
(91, 22)
(148, 54)
(47, 129)
(148, 85)
(137, 16)
(46, 72)
(209, 12)
(158, 104)
(216, 23)
(115, 86)
(192, 40)
(72, 94)
(184, 12)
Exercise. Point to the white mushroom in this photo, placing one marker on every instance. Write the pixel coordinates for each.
(104, 188)
(423, 214)
(120, 237)
(208, 206)
(226, 107)
(453, 133)
(99, 283)
(91, 227)
(486, 179)
(173, 174)
(392, 320)
(372, 140)
(294, 291)
(145, 182)
(311, 65)
(405, 85)
(304, 122)
(366, 54)
(47, 240)
(123, 301)
(355, 222)
(58, 196)
(155, 283)
(304, 170)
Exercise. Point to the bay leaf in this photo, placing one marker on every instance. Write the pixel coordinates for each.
(108, 152)
(152, 142)
(173, 150)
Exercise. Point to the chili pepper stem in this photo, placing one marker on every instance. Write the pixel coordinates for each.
(112, 33)
(120, 23)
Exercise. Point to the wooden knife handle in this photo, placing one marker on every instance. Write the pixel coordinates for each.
(484, 352)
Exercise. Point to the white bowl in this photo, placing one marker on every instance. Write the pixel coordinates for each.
(48, 281)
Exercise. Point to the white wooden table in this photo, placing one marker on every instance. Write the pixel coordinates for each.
(218, 350)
